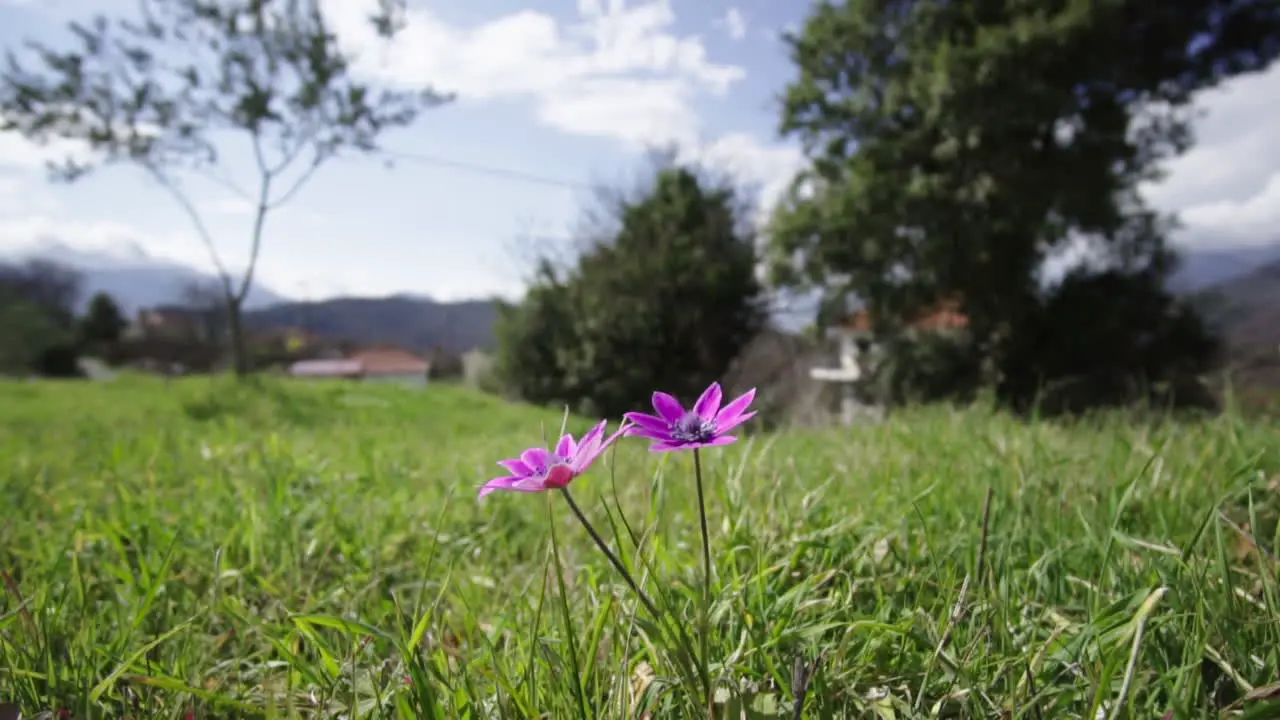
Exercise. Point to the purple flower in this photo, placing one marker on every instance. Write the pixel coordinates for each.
(705, 425)
(538, 470)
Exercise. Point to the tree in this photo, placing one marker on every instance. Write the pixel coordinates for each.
(103, 323)
(535, 338)
(27, 332)
(208, 303)
(664, 296)
(955, 147)
(49, 286)
(1126, 339)
(156, 92)
(37, 311)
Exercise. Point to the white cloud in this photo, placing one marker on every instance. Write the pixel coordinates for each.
(11, 189)
(18, 153)
(1227, 187)
(771, 167)
(619, 71)
(734, 23)
(30, 231)
(1253, 220)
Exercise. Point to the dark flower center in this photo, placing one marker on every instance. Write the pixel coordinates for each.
(541, 469)
(692, 429)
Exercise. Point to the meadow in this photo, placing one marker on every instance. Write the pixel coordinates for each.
(205, 550)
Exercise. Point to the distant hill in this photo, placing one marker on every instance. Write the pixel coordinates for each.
(1244, 278)
(1203, 269)
(414, 323)
(1246, 309)
(133, 277)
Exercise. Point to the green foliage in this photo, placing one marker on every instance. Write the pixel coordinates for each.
(27, 332)
(927, 367)
(535, 338)
(51, 287)
(103, 323)
(667, 300)
(159, 92)
(37, 311)
(955, 147)
(337, 564)
(1107, 339)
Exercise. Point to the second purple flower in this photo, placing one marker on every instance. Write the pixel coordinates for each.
(705, 425)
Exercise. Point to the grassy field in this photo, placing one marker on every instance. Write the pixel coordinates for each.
(200, 550)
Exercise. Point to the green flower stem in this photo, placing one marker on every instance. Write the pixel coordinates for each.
(704, 635)
(617, 563)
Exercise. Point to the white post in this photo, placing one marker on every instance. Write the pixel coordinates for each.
(847, 374)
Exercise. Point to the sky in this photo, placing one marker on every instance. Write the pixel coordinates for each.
(554, 98)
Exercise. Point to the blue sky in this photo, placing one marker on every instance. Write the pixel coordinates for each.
(571, 90)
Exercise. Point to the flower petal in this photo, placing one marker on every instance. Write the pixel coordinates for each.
(724, 427)
(649, 422)
(739, 404)
(517, 467)
(644, 432)
(590, 450)
(673, 445)
(560, 475)
(566, 446)
(536, 458)
(530, 484)
(594, 433)
(500, 483)
(709, 402)
(667, 406)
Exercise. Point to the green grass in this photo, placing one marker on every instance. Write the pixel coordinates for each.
(296, 551)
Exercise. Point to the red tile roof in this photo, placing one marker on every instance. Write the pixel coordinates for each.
(945, 316)
(390, 362)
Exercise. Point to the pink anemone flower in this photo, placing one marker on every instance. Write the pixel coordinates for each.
(538, 469)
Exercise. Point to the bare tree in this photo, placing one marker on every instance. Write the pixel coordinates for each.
(207, 302)
(155, 91)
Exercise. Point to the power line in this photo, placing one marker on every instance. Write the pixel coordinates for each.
(546, 180)
(489, 170)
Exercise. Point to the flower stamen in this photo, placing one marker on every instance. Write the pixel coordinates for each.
(692, 428)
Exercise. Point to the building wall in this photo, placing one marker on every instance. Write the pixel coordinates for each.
(475, 365)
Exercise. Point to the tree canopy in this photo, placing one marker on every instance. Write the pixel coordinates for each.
(665, 296)
(103, 324)
(954, 148)
(37, 317)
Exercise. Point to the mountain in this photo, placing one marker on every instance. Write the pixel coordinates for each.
(1203, 269)
(1246, 309)
(132, 276)
(1236, 279)
(411, 322)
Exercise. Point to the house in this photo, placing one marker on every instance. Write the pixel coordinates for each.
(344, 369)
(392, 365)
(373, 365)
(855, 346)
(167, 323)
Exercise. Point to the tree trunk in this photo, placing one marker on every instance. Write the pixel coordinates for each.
(239, 348)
